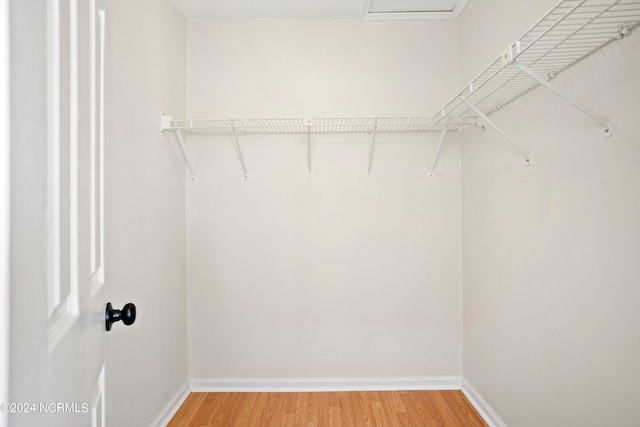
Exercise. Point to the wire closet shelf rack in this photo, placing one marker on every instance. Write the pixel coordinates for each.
(318, 125)
(569, 32)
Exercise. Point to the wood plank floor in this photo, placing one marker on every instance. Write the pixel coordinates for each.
(340, 409)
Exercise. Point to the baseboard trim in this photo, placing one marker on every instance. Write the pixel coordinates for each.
(481, 405)
(324, 384)
(172, 406)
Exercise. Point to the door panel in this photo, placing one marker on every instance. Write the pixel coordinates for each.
(96, 145)
(62, 367)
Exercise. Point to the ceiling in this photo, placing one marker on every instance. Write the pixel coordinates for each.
(240, 10)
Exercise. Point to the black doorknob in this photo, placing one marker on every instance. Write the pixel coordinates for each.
(127, 315)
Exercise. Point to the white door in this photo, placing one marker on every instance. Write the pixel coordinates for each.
(58, 338)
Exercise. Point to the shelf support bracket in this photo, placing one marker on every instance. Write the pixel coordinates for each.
(236, 144)
(309, 149)
(500, 131)
(442, 135)
(183, 147)
(604, 122)
(373, 143)
(165, 124)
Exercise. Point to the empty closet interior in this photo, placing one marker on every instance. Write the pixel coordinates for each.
(415, 203)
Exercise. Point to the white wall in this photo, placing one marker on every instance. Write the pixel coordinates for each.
(551, 251)
(320, 68)
(335, 274)
(144, 205)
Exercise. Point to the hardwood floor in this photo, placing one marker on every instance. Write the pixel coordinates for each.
(343, 409)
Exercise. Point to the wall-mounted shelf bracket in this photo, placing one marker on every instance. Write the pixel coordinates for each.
(183, 147)
(500, 131)
(308, 123)
(236, 144)
(442, 136)
(604, 122)
(309, 149)
(165, 124)
(373, 143)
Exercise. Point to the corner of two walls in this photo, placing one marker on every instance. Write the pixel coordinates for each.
(550, 250)
(144, 206)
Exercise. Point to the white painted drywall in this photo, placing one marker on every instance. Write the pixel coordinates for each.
(144, 206)
(328, 68)
(487, 27)
(332, 275)
(335, 274)
(551, 251)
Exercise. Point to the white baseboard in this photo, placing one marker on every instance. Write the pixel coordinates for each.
(325, 384)
(481, 405)
(172, 406)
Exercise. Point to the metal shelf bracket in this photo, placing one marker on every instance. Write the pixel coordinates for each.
(442, 135)
(308, 123)
(187, 159)
(309, 149)
(603, 121)
(500, 131)
(373, 143)
(237, 147)
(165, 125)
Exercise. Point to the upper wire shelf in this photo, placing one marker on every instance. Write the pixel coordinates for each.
(319, 125)
(570, 31)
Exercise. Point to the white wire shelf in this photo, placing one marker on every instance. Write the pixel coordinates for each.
(319, 125)
(569, 32)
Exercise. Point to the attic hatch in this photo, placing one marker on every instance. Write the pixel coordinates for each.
(412, 9)
(241, 10)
